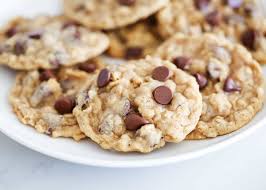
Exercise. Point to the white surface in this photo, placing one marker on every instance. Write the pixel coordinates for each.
(239, 167)
(67, 149)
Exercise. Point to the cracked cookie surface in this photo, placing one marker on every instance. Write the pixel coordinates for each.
(239, 20)
(134, 41)
(230, 79)
(48, 42)
(138, 106)
(111, 14)
(45, 99)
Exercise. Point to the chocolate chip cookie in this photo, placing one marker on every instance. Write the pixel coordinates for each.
(239, 20)
(45, 99)
(134, 41)
(111, 14)
(230, 80)
(48, 42)
(139, 106)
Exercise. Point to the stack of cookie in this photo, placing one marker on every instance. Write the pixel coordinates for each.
(190, 71)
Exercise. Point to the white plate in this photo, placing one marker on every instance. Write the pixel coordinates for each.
(87, 152)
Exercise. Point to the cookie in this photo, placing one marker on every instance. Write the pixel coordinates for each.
(44, 99)
(238, 20)
(48, 42)
(230, 80)
(139, 106)
(111, 14)
(134, 41)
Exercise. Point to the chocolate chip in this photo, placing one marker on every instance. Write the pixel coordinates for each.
(134, 121)
(11, 32)
(201, 4)
(46, 75)
(182, 62)
(161, 73)
(213, 18)
(248, 39)
(50, 131)
(152, 21)
(37, 34)
(235, 4)
(127, 2)
(20, 47)
(162, 95)
(134, 53)
(201, 80)
(88, 67)
(231, 86)
(103, 78)
(64, 105)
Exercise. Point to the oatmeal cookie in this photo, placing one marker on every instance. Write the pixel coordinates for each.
(44, 99)
(139, 106)
(134, 41)
(230, 80)
(48, 42)
(239, 20)
(111, 14)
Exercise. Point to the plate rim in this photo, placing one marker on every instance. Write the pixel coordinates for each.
(142, 163)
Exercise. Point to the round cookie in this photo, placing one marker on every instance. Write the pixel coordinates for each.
(239, 20)
(134, 41)
(48, 42)
(139, 106)
(111, 14)
(230, 79)
(45, 99)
